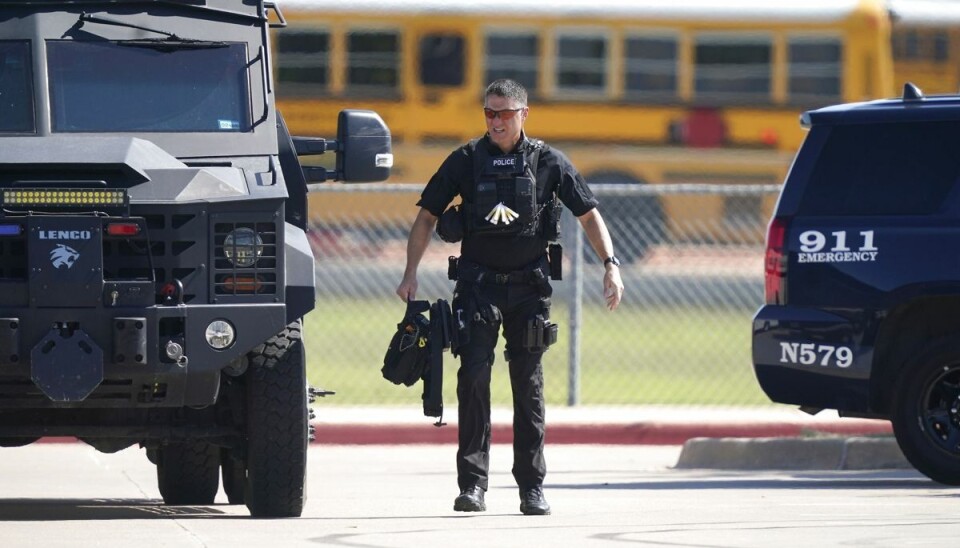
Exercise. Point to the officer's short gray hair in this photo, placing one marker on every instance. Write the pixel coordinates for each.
(508, 89)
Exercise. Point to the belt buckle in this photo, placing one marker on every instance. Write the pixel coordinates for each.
(502, 278)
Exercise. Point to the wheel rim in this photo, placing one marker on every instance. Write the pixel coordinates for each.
(940, 409)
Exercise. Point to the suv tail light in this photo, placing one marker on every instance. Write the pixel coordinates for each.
(775, 261)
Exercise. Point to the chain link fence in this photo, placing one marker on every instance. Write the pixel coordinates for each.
(692, 268)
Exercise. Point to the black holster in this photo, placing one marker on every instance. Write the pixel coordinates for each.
(540, 334)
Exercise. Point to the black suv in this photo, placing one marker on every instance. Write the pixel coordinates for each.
(862, 274)
(154, 263)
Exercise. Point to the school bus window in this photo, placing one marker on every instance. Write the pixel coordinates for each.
(905, 44)
(650, 66)
(441, 60)
(373, 62)
(941, 46)
(303, 66)
(515, 56)
(732, 69)
(814, 68)
(912, 44)
(581, 63)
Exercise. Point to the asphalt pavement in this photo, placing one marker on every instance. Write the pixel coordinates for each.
(376, 496)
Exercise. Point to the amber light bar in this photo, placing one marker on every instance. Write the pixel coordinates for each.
(64, 197)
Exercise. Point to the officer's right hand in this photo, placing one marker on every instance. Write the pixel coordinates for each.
(407, 290)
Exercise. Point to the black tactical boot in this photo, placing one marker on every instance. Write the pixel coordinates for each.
(532, 502)
(470, 500)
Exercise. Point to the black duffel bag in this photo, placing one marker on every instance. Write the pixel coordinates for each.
(408, 355)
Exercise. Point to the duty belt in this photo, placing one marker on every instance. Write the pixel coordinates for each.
(474, 273)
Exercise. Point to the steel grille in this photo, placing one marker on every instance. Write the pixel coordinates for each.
(176, 252)
(260, 278)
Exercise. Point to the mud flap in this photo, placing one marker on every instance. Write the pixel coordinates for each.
(66, 368)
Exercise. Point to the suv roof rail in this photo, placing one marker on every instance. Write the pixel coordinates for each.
(911, 92)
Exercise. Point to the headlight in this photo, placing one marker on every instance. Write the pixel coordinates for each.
(243, 247)
(220, 334)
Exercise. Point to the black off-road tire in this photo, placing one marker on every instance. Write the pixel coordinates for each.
(926, 412)
(188, 473)
(277, 426)
(16, 442)
(233, 476)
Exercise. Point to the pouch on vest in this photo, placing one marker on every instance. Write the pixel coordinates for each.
(504, 197)
(450, 225)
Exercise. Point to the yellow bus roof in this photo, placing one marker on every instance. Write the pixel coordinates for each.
(931, 13)
(710, 10)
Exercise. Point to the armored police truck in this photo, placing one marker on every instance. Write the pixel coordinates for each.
(154, 267)
(862, 275)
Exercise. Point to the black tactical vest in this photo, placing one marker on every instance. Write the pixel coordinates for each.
(505, 195)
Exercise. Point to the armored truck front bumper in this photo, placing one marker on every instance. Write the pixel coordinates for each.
(812, 358)
(119, 357)
(140, 316)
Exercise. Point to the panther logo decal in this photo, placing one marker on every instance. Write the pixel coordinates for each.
(63, 256)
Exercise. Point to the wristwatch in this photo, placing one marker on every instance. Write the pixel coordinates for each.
(611, 259)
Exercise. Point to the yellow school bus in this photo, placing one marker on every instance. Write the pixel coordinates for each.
(633, 91)
(926, 44)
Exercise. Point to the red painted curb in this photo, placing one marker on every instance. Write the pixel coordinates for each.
(599, 434)
(607, 434)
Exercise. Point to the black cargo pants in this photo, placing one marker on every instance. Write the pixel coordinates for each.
(517, 304)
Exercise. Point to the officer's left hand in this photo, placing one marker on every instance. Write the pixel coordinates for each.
(612, 287)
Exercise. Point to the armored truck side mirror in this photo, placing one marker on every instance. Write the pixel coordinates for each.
(363, 150)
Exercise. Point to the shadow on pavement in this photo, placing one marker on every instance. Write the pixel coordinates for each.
(875, 480)
(100, 509)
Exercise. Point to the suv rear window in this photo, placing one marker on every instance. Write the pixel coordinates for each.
(884, 169)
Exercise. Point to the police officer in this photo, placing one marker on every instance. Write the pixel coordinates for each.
(511, 187)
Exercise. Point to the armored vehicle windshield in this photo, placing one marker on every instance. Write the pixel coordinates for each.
(148, 86)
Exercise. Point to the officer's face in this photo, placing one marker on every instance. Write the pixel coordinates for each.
(507, 121)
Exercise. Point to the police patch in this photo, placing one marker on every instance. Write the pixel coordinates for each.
(508, 164)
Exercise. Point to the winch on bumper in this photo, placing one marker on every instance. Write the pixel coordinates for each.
(74, 333)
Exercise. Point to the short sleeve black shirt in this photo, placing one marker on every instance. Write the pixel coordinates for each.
(555, 175)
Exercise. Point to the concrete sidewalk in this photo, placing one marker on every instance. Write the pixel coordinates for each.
(614, 425)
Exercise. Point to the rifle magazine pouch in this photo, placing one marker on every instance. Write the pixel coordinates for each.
(540, 334)
(550, 333)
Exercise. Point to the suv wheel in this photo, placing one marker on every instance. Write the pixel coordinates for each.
(926, 415)
(277, 426)
(188, 472)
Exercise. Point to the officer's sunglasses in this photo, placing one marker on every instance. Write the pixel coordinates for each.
(504, 114)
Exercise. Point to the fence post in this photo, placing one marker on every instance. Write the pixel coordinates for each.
(576, 308)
